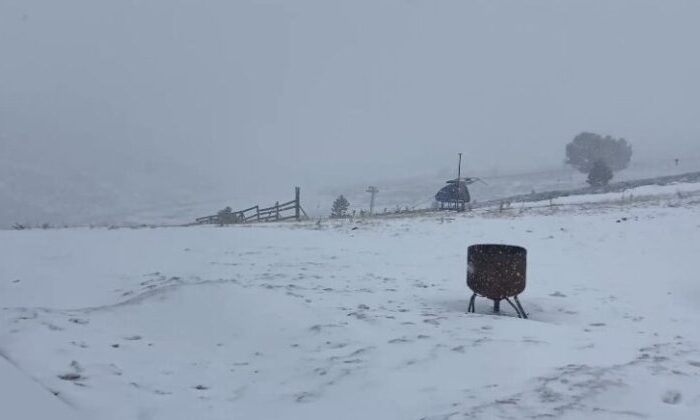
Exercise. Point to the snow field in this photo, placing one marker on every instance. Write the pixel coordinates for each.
(360, 320)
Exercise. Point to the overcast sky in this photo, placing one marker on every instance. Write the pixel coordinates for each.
(299, 91)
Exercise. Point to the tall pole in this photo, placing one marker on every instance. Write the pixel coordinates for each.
(372, 190)
(460, 204)
(459, 168)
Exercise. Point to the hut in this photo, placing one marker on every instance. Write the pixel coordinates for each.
(455, 195)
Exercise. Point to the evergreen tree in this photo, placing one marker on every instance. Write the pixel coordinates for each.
(589, 150)
(340, 207)
(600, 174)
(225, 216)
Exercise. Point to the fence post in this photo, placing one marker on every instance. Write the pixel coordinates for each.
(297, 205)
(257, 212)
(277, 210)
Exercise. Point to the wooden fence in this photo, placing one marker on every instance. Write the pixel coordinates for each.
(291, 210)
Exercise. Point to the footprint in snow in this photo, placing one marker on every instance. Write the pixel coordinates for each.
(71, 376)
(304, 397)
(132, 337)
(75, 375)
(316, 328)
(52, 327)
(358, 315)
(333, 345)
(671, 397)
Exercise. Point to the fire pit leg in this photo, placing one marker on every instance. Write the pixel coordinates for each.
(517, 310)
(496, 306)
(471, 307)
(522, 311)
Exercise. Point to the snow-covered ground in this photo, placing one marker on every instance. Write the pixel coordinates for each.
(363, 320)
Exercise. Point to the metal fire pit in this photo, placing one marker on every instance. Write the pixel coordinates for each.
(497, 272)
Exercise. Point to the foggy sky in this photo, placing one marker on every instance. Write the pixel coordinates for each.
(307, 92)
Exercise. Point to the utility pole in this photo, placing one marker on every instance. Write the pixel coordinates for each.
(373, 191)
(460, 203)
(459, 168)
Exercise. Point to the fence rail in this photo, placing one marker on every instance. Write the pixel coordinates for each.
(276, 213)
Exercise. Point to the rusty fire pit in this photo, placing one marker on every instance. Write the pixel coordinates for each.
(497, 272)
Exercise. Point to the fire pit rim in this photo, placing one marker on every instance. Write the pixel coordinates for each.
(493, 246)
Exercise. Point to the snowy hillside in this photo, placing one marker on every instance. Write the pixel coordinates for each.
(361, 320)
(125, 188)
(419, 191)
